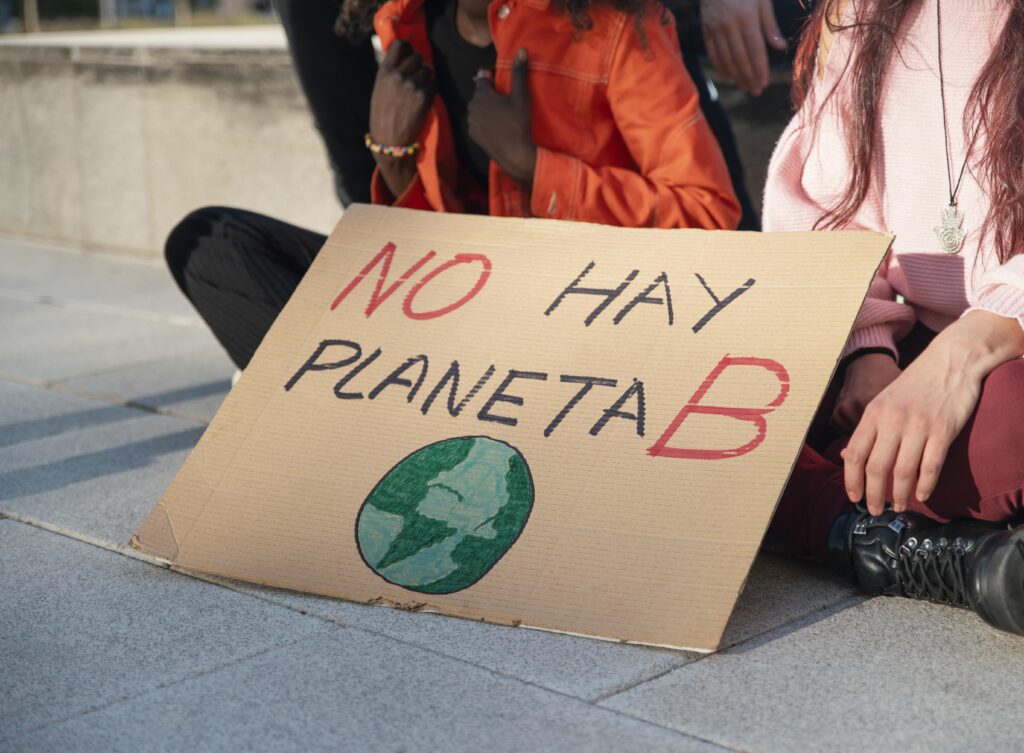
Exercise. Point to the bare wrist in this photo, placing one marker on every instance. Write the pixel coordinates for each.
(983, 340)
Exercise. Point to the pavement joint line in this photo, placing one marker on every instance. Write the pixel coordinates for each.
(112, 369)
(757, 640)
(654, 676)
(767, 636)
(60, 386)
(230, 585)
(163, 686)
(797, 623)
(14, 241)
(100, 308)
(85, 538)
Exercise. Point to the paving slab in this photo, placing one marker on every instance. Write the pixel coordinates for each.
(350, 691)
(81, 628)
(83, 465)
(582, 667)
(49, 343)
(192, 385)
(888, 674)
(67, 278)
(779, 591)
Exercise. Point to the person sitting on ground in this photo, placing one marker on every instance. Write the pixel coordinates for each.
(580, 111)
(912, 114)
(337, 68)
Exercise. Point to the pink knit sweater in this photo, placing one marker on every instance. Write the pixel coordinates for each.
(810, 168)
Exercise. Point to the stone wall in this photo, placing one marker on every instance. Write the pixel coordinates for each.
(108, 139)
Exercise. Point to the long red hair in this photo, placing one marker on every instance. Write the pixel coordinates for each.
(994, 112)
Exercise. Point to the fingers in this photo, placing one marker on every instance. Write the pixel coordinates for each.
(770, 27)
(410, 65)
(757, 55)
(842, 419)
(878, 470)
(932, 459)
(746, 76)
(716, 55)
(484, 83)
(905, 470)
(855, 456)
(422, 77)
(482, 91)
(397, 52)
(401, 58)
(520, 73)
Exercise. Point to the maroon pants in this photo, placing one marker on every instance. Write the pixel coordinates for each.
(983, 476)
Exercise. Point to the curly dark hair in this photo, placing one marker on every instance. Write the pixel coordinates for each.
(355, 22)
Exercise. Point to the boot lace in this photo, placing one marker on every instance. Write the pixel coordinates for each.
(934, 570)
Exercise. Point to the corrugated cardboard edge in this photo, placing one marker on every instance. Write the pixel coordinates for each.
(155, 536)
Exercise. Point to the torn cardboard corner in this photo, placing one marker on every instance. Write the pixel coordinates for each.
(561, 425)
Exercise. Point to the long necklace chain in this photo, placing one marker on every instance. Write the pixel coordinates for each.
(950, 231)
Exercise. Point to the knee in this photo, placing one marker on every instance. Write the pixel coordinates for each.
(1002, 393)
(186, 238)
(998, 431)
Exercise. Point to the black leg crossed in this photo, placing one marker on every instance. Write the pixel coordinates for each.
(239, 269)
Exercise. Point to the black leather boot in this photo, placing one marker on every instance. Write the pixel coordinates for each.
(965, 563)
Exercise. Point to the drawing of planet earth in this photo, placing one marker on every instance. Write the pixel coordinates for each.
(438, 521)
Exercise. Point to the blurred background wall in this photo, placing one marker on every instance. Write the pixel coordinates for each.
(108, 138)
(123, 115)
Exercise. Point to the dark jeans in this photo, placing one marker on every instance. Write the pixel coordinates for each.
(239, 269)
(982, 477)
(338, 76)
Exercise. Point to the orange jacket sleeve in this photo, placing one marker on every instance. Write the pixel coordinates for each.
(681, 178)
(413, 197)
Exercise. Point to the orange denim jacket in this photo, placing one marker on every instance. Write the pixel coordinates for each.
(620, 136)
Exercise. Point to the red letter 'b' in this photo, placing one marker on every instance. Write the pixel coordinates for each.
(754, 416)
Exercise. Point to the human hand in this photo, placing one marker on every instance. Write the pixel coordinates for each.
(402, 94)
(865, 377)
(502, 126)
(907, 429)
(735, 34)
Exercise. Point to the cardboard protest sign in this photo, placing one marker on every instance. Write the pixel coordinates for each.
(560, 425)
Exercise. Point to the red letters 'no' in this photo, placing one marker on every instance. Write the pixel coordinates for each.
(755, 416)
(381, 293)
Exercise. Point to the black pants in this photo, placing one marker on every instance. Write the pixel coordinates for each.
(338, 76)
(239, 269)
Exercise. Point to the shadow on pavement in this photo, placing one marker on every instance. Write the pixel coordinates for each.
(26, 431)
(47, 477)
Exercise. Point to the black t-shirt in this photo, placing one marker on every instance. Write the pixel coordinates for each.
(456, 63)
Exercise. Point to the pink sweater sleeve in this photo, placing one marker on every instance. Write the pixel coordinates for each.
(1001, 290)
(807, 174)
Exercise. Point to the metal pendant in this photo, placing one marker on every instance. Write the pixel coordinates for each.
(951, 233)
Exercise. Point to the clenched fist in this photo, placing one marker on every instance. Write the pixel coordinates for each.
(502, 125)
(402, 95)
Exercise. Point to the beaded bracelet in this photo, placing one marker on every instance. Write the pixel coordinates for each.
(391, 151)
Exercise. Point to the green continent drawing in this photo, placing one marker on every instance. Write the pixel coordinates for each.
(444, 516)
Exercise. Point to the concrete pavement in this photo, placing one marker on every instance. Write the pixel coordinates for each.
(107, 379)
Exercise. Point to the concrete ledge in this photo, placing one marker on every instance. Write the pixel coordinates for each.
(109, 138)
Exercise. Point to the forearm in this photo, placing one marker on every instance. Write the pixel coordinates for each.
(980, 341)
